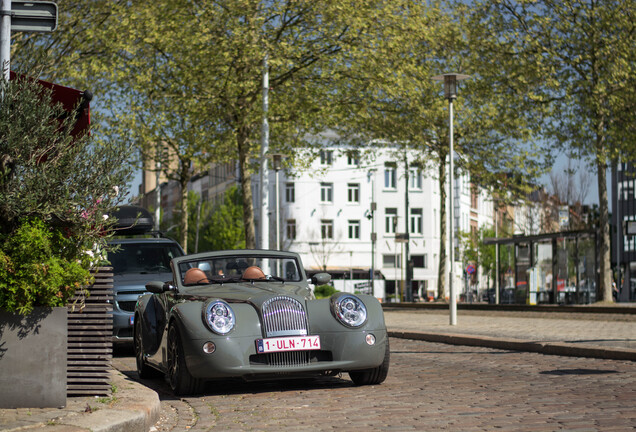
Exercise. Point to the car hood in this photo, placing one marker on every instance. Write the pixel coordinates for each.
(245, 291)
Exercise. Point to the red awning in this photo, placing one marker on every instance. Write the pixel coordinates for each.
(74, 101)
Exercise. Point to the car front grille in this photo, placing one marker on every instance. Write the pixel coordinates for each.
(128, 306)
(296, 358)
(284, 316)
(291, 358)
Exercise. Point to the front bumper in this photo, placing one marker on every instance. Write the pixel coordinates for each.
(237, 356)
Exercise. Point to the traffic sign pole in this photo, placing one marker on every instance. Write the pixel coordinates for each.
(5, 38)
(31, 16)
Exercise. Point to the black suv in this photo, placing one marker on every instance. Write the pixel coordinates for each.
(141, 257)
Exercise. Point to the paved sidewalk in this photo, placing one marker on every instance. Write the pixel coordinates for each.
(603, 335)
(132, 408)
(135, 408)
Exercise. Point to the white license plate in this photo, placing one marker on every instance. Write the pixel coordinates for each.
(290, 343)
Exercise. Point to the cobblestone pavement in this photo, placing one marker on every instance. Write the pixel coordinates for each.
(430, 387)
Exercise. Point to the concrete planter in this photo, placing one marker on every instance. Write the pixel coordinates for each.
(33, 353)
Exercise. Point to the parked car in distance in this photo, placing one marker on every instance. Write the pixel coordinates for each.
(137, 259)
(251, 314)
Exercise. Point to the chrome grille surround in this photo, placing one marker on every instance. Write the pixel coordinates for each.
(284, 316)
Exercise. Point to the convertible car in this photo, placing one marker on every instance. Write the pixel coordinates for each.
(252, 314)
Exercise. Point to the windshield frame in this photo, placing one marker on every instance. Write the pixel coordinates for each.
(285, 267)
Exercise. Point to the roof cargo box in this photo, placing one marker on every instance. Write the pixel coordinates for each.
(132, 220)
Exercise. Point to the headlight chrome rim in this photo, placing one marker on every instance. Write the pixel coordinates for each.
(349, 310)
(219, 317)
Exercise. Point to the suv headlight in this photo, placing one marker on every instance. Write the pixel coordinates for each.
(219, 317)
(349, 310)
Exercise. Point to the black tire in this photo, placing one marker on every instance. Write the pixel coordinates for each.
(145, 371)
(179, 378)
(373, 376)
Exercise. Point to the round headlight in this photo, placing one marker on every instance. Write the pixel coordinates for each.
(219, 316)
(350, 310)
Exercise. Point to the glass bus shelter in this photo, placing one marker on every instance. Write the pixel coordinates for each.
(555, 268)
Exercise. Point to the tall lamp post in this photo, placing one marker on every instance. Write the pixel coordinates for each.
(278, 164)
(450, 92)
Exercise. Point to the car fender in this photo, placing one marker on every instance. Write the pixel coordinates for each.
(152, 322)
(189, 318)
(322, 318)
(350, 342)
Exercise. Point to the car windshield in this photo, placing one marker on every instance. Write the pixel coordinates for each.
(143, 258)
(218, 268)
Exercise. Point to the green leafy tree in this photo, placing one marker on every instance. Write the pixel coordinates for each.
(223, 228)
(54, 192)
(475, 251)
(395, 100)
(572, 65)
(205, 62)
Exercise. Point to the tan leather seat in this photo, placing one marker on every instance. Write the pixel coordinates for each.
(253, 272)
(194, 276)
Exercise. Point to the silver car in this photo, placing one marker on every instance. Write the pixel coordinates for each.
(136, 261)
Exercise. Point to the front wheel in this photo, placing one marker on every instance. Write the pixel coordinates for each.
(375, 375)
(179, 378)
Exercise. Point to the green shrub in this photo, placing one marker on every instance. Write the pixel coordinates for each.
(324, 291)
(33, 272)
(55, 189)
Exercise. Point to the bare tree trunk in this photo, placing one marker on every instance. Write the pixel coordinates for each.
(246, 190)
(182, 219)
(183, 215)
(605, 267)
(441, 273)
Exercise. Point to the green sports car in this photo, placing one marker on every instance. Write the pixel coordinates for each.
(252, 314)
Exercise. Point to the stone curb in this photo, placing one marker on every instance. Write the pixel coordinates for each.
(551, 348)
(136, 409)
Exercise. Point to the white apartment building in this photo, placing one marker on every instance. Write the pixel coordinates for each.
(346, 216)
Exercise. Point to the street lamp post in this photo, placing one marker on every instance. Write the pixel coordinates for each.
(371, 217)
(450, 92)
(278, 164)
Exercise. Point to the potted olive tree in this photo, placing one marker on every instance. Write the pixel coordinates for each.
(54, 190)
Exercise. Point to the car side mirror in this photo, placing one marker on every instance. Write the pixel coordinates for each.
(157, 287)
(320, 278)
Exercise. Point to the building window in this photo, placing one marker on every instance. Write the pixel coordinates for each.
(353, 192)
(390, 175)
(353, 158)
(416, 220)
(474, 197)
(419, 261)
(435, 222)
(326, 192)
(326, 228)
(390, 220)
(326, 157)
(415, 179)
(291, 229)
(390, 261)
(290, 192)
(354, 229)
